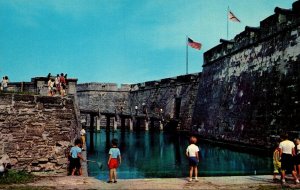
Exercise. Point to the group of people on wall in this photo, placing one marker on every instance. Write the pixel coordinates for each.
(4, 83)
(57, 85)
(286, 158)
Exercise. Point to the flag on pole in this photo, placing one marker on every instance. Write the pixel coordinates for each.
(193, 44)
(232, 17)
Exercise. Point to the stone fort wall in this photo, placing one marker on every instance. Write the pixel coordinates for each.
(250, 86)
(157, 97)
(247, 93)
(106, 97)
(39, 85)
(35, 131)
(174, 97)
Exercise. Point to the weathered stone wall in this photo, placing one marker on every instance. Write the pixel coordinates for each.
(152, 96)
(163, 94)
(250, 87)
(106, 97)
(39, 85)
(35, 131)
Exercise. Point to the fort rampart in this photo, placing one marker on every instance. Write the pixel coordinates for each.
(171, 98)
(247, 93)
(250, 86)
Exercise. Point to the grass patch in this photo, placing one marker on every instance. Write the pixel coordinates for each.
(16, 177)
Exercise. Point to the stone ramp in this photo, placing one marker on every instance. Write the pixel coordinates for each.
(230, 182)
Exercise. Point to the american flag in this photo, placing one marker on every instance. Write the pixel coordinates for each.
(193, 44)
(232, 17)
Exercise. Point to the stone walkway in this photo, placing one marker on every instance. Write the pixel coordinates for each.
(230, 182)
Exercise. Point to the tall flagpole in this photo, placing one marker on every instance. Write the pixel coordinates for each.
(187, 55)
(227, 20)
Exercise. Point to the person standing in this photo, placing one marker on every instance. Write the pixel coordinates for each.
(63, 84)
(57, 83)
(50, 87)
(192, 152)
(75, 156)
(82, 135)
(287, 151)
(1, 89)
(297, 157)
(114, 161)
(4, 83)
(276, 161)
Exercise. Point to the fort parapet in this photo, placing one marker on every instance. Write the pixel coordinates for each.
(39, 85)
(283, 21)
(171, 98)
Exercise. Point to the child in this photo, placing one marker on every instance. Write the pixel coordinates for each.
(50, 87)
(276, 162)
(82, 134)
(192, 152)
(113, 164)
(75, 156)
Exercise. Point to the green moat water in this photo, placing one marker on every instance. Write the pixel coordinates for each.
(160, 154)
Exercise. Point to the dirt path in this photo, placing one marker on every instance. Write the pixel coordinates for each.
(233, 182)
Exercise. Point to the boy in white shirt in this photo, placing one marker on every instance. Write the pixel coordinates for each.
(287, 151)
(192, 152)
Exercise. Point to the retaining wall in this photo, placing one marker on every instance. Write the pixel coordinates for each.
(35, 131)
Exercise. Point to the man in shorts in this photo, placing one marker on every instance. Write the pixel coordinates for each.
(287, 151)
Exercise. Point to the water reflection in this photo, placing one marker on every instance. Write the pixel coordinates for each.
(158, 154)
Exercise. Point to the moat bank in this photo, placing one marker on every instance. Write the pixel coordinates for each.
(234, 182)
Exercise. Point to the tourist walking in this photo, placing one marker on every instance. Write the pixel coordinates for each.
(114, 161)
(287, 151)
(192, 152)
(276, 161)
(75, 156)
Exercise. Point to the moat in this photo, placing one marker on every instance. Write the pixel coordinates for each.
(160, 154)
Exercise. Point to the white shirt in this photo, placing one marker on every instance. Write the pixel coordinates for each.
(298, 149)
(82, 132)
(5, 82)
(2, 168)
(286, 146)
(57, 80)
(192, 149)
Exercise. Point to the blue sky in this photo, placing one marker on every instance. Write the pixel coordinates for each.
(121, 41)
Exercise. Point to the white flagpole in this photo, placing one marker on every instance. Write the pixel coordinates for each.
(187, 56)
(227, 21)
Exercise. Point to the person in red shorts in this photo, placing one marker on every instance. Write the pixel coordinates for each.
(114, 161)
